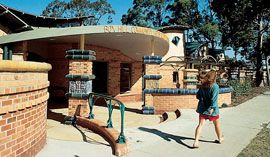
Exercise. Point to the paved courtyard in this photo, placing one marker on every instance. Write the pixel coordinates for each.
(149, 138)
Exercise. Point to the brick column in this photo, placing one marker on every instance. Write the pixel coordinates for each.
(190, 78)
(150, 80)
(80, 81)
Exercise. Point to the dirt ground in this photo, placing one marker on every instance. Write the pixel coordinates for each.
(253, 93)
(260, 145)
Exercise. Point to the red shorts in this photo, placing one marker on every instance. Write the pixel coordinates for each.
(211, 118)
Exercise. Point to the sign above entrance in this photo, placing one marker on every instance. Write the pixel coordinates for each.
(134, 29)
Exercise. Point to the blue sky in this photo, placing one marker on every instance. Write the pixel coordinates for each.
(37, 6)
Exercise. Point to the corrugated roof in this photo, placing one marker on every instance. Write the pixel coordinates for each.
(19, 21)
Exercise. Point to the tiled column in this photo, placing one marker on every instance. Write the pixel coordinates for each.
(190, 78)
(80, 81)
(151, 80)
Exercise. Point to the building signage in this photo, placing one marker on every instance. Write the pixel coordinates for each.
(81, 87)
(134, 29)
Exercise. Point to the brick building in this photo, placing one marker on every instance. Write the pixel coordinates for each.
(127, 62)
(118, 66)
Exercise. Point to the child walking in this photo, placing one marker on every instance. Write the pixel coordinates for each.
(208, 106)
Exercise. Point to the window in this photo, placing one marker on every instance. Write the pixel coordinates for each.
(176, 40)
(175, 77)
(125, 77)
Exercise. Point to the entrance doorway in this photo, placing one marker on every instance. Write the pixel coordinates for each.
(100, 70)
(125, 77)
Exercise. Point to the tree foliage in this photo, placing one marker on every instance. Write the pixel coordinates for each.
(156, 13)
(183, 12)
(55, 9)
(243, 23)
(78, 8)
(147, 13)
(199, 16)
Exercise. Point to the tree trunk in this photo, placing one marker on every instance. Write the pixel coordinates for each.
(259, 71)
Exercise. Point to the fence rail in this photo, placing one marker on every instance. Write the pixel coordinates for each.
(110, 105)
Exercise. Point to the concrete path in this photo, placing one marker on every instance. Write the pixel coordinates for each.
(174, 138)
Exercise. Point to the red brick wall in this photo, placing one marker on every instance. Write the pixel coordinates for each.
(78, 106)
(170, 102)
(23, 113)
(114, 57)
(60, 66)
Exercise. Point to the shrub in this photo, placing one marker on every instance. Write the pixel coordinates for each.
(240, 87)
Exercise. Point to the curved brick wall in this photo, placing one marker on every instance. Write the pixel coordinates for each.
(23, 107)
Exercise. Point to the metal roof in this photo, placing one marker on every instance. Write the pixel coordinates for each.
(19, 21)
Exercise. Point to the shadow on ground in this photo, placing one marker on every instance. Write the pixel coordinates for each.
(61, 117)
(169, 137)
(87, 138)
(56, 104)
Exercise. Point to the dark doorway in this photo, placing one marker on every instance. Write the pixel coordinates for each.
(100, 70)
(125, 77)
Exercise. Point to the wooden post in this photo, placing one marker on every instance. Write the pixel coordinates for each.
(82, 41)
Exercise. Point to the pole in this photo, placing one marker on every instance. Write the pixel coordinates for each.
(267, 60)
(10, 55)
(5, 53)
(82, 41)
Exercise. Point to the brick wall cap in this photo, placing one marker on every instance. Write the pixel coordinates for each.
(183, 91)
(80, 77)
(80, 52)
(152, 77)
(152, 57)
(23, 66)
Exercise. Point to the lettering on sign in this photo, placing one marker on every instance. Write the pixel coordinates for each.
(82, 87)
(134, 29)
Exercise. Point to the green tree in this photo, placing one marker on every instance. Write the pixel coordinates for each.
(78, 8)
(147, 13)
(183, 12)
(55, 9)
(156, 13)
(199, 16)
(242, 23)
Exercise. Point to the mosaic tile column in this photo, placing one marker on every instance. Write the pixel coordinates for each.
(80, 81)
(150, 80)
(190, 78)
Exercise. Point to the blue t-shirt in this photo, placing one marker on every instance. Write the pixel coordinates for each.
(208, 99)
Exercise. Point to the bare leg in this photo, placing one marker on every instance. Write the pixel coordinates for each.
(218, 130)
(198, 132)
